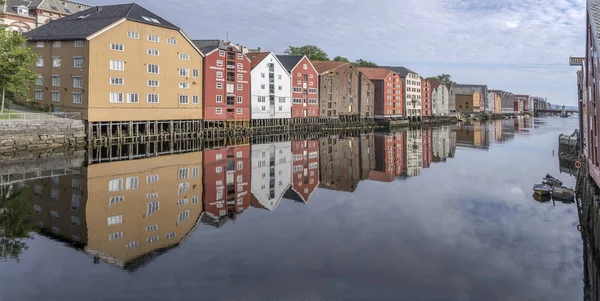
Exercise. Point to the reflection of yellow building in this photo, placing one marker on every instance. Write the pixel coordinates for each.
(134, 208)
(498, 128)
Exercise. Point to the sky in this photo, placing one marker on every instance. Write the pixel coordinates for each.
(521, 46)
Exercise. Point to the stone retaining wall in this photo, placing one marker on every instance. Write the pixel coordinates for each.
(26, 135)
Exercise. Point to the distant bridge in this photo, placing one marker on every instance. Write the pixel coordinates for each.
(556, 111)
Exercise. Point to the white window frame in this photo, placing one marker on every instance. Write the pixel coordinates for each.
(78, 43)
(218, 111)
(153, 52)
(56, 80)
(78, 62)
(117, 81)
(153, 69)
(117, 47)
(77, 79)
(37, 93)
(77, 98)
(39, 62)
(54, 93)
(222, 53)
(133, 35)
(195, 99)
(153, 38)
(219, 63)
(39, 45)
(219, 85)
(116, 97)
(150, 98)
(195, 73)
(219, 99)
(239, 111)
(184, 56)
(117, 65)
(184, 72)
(172, 41)
(184, 99)
(184, 85)
(130, 98)
(56, 59)
(150, 83)
(56, 44)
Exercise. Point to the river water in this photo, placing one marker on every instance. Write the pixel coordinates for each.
(442, 213)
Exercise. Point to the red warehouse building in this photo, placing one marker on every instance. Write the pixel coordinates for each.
(389, 157)
(427, 138)
(426, 89)
(226, 83)
(227, 181)
(388, 91)
(305, 90)
(305, 170)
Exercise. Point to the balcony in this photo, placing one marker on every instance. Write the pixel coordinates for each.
(231, 65)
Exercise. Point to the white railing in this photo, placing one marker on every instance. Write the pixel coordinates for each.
(27, 117)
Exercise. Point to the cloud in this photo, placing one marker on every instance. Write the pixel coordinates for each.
(518, 45)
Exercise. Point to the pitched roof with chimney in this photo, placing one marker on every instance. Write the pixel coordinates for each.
(375, 73)
(401, 71)
(289, 61)
(85, 23)
(256, 58)
(326, 66)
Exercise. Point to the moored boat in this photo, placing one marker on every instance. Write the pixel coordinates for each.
(542, 189)
(552, 181)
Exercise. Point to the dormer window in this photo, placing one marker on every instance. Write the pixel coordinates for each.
(83, 16)
(22, 10)
(153, 20)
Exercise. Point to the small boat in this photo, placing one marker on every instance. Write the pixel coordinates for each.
(552, 181)
(542, 189)
(542, 198)
(563, 193)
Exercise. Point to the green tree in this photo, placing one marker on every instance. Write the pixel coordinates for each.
(15, 63)
(363, 63)
(312, 52)
(341, 59)
(15, 225)
(444, 78)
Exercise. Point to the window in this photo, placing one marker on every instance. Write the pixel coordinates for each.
(154, 39)
(152, 68)
(115, 200)
(55, 81)
(239, 111)
(184, 85)
(184, 72)
(183, 187)
(39, 44)
(56, 44)
(220, 63)
(263, 87)
(239, 87)
(56, 61)
(116, 235)
(219, 98)
(39, 62)
(133, 98)
(153, 83)
(115, 220)
(240, 76)
(77, 82)
(297, 100)
(297, 90)
(75, 201)
(75, 220)
(116, 97)
(115, 185)
(262, 98)
(171, 41)
(131, 183)
(240, 66)
(230, 88)
(77, 62)
(196, 73)
(311, 76)
(195, 199)
(222, 53)
(219, 111)
(239, 99)
(153, 52)
(240, 165)
(219, 74)
(77, 98)
(153, 207)
(195, 172)
(184, 56)
(312, 91)
(117, 65)
(304, 66)
(54, 214)
(55, 96)
(152, 195)
(183, 202)
(218, 169)
(240, 56)
(195, 99)
(152, 98)
(170, 235)
(152, 179)
(183, 216)
(219, 85)
(152, 228)
(280, 88)
(38, 95)
(184, 99)
(184, 173)
(117, 47)
(39, 80)
(54, 194)
(116, 81)
(132, 245)
(133, 35)
(78, 43)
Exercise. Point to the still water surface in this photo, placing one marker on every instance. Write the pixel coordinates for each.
(422, 214)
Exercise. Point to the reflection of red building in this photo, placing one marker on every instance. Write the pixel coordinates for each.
(427, 147)
(426, 90)
(226, 182)
(305, 170)
(389, 157)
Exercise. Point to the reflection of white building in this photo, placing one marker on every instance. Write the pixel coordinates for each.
(271, 172)
(414, 152)
(441, 142)
(440, 96)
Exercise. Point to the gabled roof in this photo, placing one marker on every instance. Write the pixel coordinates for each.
(375, 73)
(463, 91)
(85, 23)
(480, 88)
(61, 6)
(256, 58)
(433, 82)
(326, 66)
(207, 46)
(289, 62)
(401, 71)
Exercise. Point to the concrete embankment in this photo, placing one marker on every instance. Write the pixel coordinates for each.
(588, 205)
(29, 135)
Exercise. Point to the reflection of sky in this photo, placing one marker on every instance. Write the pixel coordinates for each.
(467, 229)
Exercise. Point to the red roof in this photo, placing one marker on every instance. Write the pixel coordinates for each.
(256, 58)
(325, 66)
(375, 73)
(433, 82)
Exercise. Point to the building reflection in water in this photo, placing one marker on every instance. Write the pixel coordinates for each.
(128, 212)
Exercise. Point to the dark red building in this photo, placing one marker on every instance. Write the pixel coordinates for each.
(305, 170)
(388, 91)
(427, 137)
(305, 85)
(227, 181)
(389, 157)
(226, 78)
(426, 90)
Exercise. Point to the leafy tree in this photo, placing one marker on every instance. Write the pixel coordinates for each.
(312, 52)
(15, 224)
(363, 63)
(341, 59)
(15, 63)
(444, 78)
